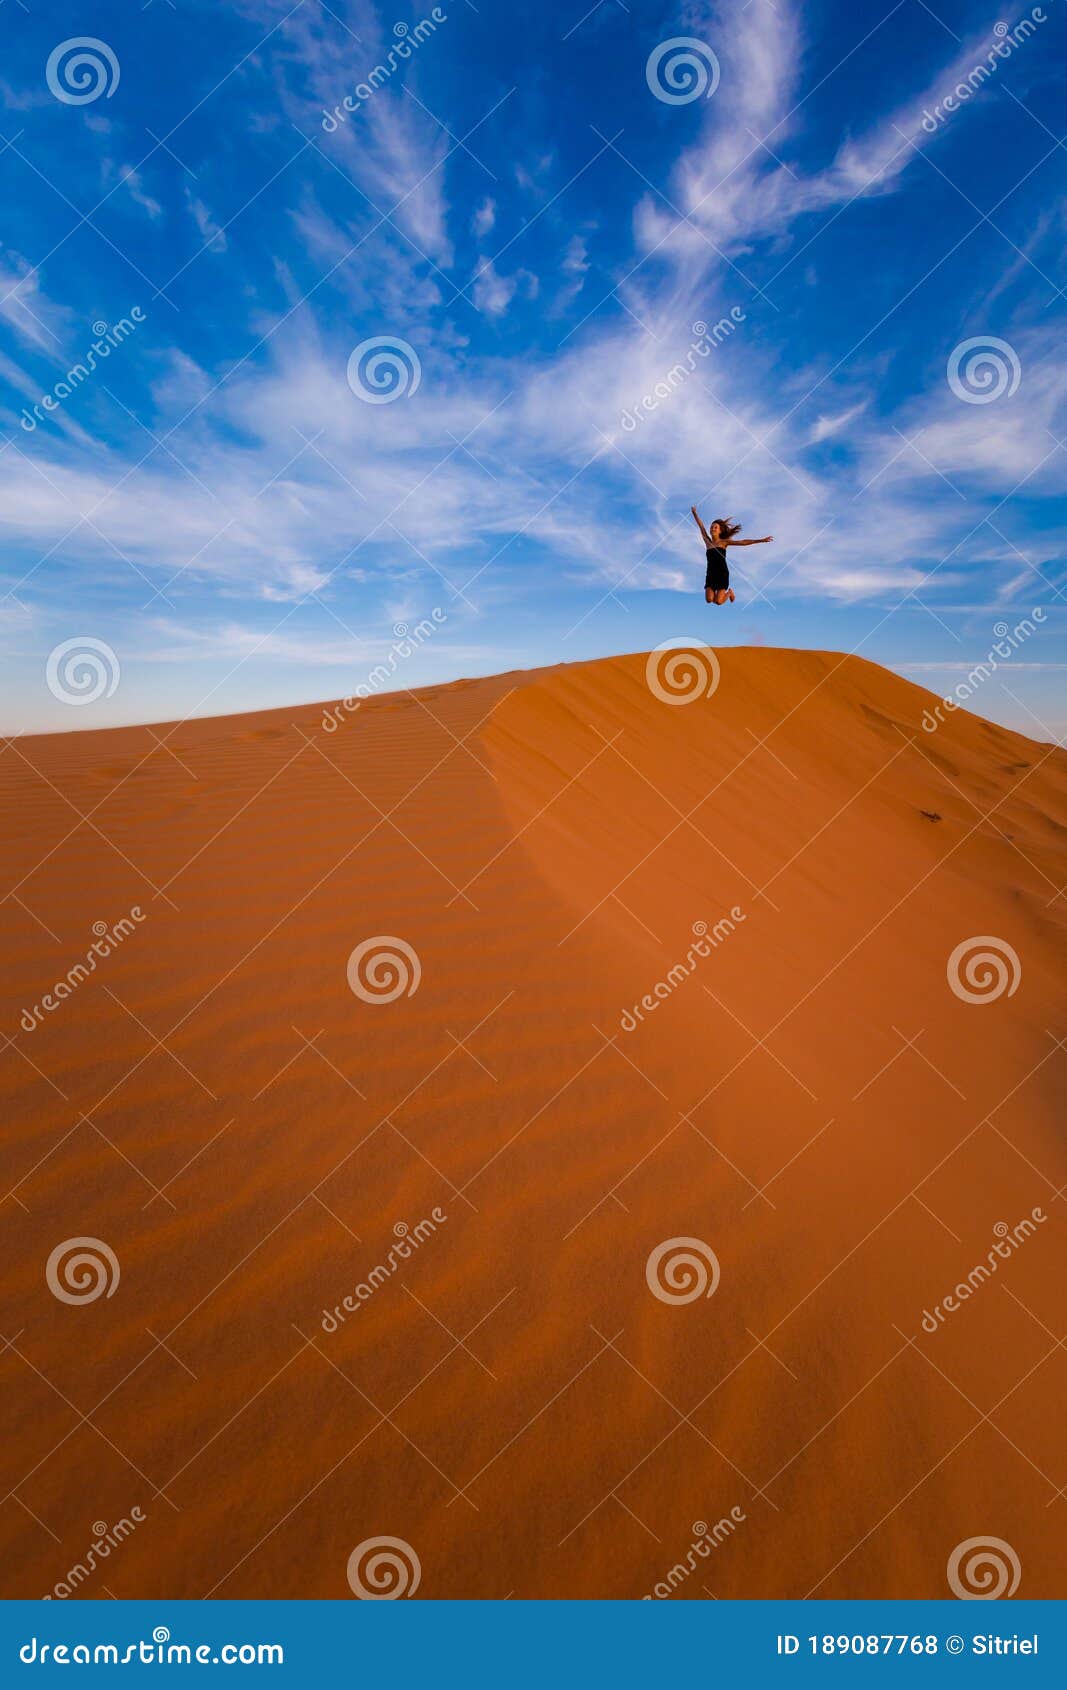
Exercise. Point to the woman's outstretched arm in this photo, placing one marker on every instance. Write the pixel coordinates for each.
(767, 538)
(700, 525)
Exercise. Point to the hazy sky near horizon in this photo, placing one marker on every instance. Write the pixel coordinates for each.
(613, 260)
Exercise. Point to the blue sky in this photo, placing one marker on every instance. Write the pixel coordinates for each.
(530, 231)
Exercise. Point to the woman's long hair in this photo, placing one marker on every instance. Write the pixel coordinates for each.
(727, 527)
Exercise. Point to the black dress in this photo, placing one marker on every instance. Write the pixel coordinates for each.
(718, 575)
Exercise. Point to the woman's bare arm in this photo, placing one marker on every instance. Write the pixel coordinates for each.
(767, 538)
(700, 525)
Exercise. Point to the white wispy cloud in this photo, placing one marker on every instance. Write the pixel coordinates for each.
(484, 218)
(825, 427)
(23, 303)
(731, 186)
(213, 236)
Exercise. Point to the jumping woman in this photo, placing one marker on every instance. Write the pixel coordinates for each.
(717, 588)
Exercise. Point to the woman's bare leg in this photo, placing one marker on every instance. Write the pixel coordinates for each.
(709, 596)
(721, 595)
(731, 595)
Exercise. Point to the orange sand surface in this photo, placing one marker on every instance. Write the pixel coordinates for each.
(518, 1394)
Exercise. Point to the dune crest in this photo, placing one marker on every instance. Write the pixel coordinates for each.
(645, 1050)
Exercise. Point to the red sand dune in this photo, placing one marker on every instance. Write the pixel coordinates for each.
(810, 1101)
